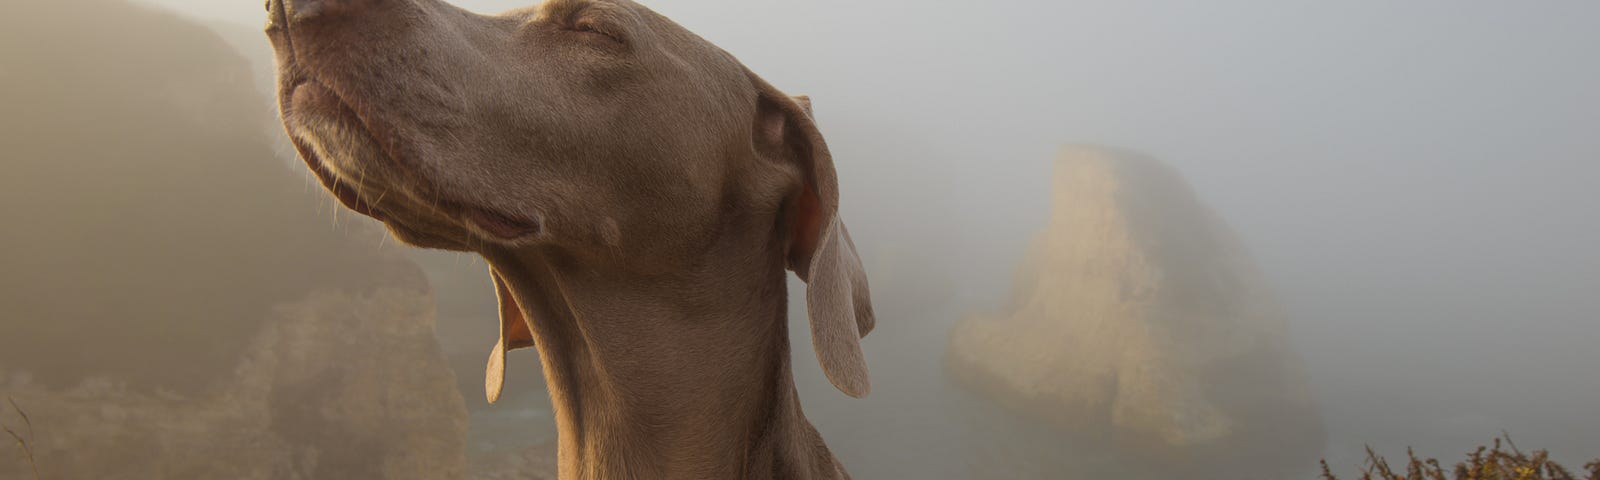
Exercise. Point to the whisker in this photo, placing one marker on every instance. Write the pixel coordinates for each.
(334, 202)
(361, 179)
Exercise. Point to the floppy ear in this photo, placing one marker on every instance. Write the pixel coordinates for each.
(514, 334)
(816, 242)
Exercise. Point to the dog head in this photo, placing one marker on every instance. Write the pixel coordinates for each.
(598, 127)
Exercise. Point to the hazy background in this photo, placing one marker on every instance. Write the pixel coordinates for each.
(1416, 179)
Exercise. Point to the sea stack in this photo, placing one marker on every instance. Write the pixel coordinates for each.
(1138, 320)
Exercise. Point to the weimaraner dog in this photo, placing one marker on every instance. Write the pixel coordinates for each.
(638, 194)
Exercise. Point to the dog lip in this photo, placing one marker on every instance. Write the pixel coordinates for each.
(291, 78)
(342, 191)
(295, 79)
(294, 76)
(499, 225)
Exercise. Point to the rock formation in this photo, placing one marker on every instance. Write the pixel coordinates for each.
(1139, 320)
(176, 300)
(338, 385)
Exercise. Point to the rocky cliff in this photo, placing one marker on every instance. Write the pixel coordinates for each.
(176, 300)
(338, 385)
(1137, 319)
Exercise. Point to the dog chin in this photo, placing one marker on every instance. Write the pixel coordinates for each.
(425, 239)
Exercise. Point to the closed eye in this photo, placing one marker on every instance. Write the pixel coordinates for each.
(590, 21)
(590, 27)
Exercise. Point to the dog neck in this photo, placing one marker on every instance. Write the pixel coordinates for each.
(681, 376)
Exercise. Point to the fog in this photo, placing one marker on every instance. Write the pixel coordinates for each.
(1416, 180)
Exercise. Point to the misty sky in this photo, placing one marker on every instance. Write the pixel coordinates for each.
(1418, 179)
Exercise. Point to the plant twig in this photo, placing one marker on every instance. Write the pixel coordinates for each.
(27, 451)
(23, 414)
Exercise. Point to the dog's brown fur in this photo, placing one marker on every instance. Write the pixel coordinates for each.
(637, 193)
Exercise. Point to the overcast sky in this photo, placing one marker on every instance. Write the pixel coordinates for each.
(1417, 178)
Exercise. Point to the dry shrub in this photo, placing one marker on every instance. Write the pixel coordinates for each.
(1503, 461)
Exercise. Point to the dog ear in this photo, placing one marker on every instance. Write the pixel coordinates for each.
(818, 247)
(514, 334)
